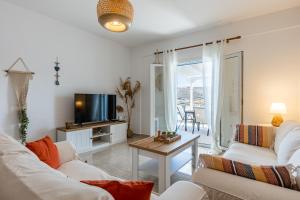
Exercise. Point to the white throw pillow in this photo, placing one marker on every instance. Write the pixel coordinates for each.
(282, 131)
(295, 160)
(289, 145)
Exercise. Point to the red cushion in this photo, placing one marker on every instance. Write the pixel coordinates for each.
(125, 190)
(46, 150)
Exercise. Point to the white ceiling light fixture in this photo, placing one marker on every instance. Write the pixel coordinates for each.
(115, 15)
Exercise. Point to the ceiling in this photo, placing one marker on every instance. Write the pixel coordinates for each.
(157, 19)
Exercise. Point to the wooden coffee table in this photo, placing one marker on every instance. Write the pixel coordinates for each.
(170, 157)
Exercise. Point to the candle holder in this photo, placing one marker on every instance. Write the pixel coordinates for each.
(57, 68)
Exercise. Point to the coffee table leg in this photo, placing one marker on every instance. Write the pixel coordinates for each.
(164, 173)
(135, 163)
(195, 154)
(168, 171)
(161, 174)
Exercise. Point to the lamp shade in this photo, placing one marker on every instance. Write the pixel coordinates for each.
(278, 108)
(115, 15)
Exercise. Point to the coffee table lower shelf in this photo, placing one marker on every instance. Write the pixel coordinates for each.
(150, 166)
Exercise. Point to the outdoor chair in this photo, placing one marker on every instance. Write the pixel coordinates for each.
(200, 118)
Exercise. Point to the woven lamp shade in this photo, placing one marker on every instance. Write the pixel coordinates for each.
(115, 15)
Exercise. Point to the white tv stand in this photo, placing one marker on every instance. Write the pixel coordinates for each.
(90, 138)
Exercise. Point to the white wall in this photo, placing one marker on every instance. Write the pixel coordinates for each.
(271, 46)
(88, 64)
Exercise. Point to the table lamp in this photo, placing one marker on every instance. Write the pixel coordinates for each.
(277, 109)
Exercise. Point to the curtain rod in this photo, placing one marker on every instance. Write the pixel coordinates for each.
(199, 45)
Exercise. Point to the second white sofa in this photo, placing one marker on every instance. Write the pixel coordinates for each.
(286, 150)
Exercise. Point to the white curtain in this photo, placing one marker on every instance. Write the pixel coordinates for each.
(169, 87)
(213, 61)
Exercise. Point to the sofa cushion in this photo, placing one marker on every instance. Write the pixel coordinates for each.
(282, 131)
(125, 190)
(67, 151)
(289, 145)
(9, 146)
(251, 154)
(275, 175)
(46, 150)
(295, 160)
(184, 190)
(26, 177)
(87, 172)
(262, 136)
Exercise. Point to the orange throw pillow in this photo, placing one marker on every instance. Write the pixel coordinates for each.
(46, 150)
(125, 190)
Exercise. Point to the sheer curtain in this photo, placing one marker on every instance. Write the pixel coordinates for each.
(169, 87)
(213, 61)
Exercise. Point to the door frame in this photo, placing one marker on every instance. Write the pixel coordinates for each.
(152, 97)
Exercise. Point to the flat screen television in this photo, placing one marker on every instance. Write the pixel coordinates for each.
(94, 108)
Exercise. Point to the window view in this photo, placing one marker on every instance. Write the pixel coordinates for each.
(191, 102)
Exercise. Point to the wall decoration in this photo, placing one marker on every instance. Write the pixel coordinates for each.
(20, 82)
(56, 68)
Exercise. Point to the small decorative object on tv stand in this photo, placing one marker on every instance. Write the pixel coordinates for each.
(167, 137)
(69, 125)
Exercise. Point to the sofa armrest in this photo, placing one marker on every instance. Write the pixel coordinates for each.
(241, 187)
(66, 152)
(182, 190)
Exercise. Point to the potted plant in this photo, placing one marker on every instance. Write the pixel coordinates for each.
(127, 95)
(24, 122)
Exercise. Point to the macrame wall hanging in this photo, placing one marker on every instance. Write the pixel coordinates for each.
(20, 83)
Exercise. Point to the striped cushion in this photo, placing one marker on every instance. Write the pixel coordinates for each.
(275, 175)
(262, 136)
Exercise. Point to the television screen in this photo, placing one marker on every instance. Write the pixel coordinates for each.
(94, 108)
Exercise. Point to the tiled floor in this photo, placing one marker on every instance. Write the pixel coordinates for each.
(116, 160)
(204, 139)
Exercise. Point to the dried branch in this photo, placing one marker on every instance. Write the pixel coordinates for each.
(127, 84)
(121, 83)
(127, 94)
(136, 88)
(120, 94)
(133, 104)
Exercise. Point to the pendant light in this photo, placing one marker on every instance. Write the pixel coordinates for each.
(115, 15)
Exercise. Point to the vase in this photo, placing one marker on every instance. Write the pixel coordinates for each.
(129, 133)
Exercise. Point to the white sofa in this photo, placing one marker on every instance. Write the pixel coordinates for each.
(24, 176)
(286, 149)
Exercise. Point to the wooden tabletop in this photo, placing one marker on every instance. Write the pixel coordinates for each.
(148, 144)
